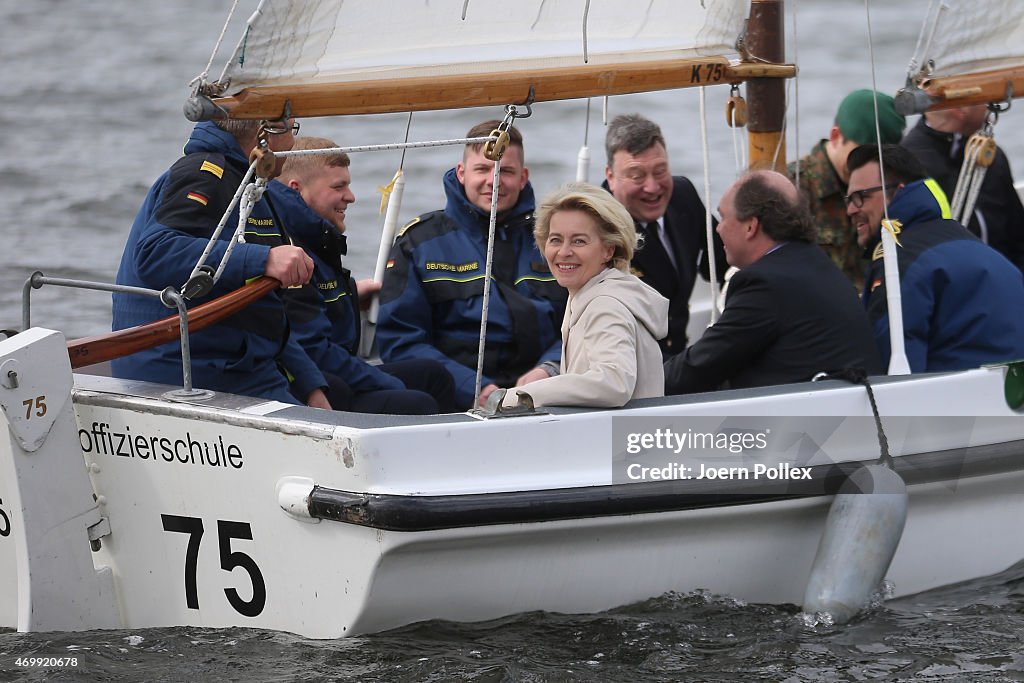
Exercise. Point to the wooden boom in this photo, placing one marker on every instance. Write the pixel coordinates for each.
(475, 90)
(976, 88)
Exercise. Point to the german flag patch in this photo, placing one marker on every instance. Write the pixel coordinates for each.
(213, 168)
(196, 197)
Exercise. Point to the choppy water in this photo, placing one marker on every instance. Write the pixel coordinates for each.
(965, 632)
(90, 109)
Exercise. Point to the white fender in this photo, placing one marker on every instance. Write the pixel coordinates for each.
(862, 531)
(48, 506)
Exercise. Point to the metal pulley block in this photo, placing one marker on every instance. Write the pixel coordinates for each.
(984, 146)
(266, 162)
(495, 148)
(736, 110)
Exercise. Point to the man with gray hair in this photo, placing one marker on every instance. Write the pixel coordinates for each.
(669, 216)
(245, 353)
(789, 313)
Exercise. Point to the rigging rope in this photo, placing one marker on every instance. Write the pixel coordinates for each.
(586, 14)
(492, 223)
(708, 223)
(253, 192)
(201, 78)
(198, 269)
(796, 95)
(979, 153)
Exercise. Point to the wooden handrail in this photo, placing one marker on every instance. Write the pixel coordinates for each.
(104, 347)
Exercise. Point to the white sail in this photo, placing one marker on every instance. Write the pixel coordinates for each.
(300, 42)
(972, 36)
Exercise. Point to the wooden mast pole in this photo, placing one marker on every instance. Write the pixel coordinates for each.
(766, 97)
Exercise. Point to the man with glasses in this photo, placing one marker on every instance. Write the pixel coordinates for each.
(669, 216)
(250, 352)
(962, 301)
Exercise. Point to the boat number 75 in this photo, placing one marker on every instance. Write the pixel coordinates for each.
(193, 526)
(38, 404)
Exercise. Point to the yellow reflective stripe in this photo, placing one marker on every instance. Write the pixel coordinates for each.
(263, 234)
(454, 279)
(253, 279)
(538, 278)
(940, 197)
(327, 301)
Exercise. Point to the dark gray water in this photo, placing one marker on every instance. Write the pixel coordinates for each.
(965, 632)
(90, 109)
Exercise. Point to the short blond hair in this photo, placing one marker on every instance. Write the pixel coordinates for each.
(614, 223)
(303, 168)
(482, 130)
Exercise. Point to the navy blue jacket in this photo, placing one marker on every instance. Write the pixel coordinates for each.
(963, 302)
(324, 313)
(432, 297)
(246, 353)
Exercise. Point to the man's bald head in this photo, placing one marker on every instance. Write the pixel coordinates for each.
(779, 207)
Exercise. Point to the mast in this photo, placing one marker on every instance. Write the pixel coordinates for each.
(765, 42)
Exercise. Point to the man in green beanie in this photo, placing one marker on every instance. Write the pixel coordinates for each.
(823, 175)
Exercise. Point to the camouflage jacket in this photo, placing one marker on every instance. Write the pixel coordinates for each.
(825, 190)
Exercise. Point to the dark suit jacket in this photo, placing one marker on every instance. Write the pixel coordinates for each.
(998, 204)
(685, 225)
(788, 316)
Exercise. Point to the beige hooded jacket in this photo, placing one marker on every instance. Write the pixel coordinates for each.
(610, 351)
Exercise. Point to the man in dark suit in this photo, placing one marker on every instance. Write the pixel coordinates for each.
(669, 216)
(789, 314)
(938, 141)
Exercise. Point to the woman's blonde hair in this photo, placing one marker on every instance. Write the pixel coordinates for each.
(614, 223)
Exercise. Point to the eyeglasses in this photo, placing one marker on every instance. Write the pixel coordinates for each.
(639, 176)
(857, 196)
(280, 128)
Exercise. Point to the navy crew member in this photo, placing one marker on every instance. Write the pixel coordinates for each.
(251, 352)
(432, 297)
(315, 192)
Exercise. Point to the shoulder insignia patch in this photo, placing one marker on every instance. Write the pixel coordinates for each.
(196, 197)
(408, 225)
(877, 254)
(213, 168)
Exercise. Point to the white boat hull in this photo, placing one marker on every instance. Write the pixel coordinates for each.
(463, 519)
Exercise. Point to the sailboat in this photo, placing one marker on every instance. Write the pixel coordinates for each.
(127, 504)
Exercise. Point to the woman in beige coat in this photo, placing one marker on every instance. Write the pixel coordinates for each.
(613, 321)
